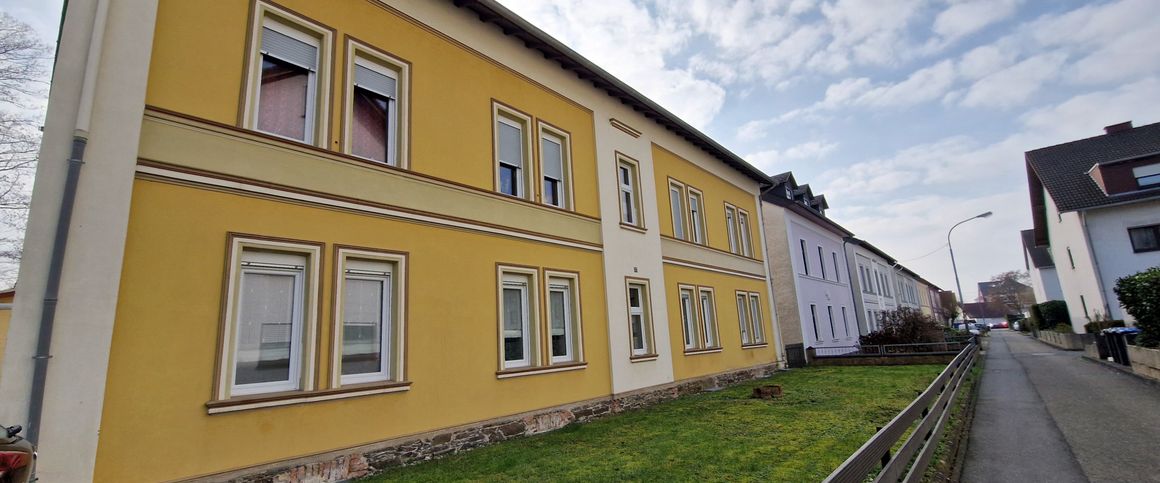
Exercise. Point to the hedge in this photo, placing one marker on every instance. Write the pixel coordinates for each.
(1140, 296)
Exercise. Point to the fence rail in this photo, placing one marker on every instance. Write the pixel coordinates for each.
(950, 346)
(931, 409)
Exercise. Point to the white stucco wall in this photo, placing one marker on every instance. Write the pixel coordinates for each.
(1045, 284)
(1107, 229)
(876, 301)
(1078, 282)
(832, 291)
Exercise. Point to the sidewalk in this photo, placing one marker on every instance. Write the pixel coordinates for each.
(1047, 415)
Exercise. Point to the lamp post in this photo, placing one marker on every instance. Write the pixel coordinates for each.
(954, 267)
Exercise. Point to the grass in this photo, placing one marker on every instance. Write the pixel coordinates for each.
(824, 416)
(944, 459)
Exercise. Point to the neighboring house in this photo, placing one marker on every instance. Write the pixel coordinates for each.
(1041, 269)
(1012, 293)
(1095, 205)
(986, 312)
(874, 283)
(906, 283)
(807, 261)
(308, 232)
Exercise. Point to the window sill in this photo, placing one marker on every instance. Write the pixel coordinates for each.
(697, 352)
(643, 358)
(638, 229)
(257, 401)
(754, 346)
(531, 371)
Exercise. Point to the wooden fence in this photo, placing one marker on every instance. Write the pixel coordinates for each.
(931, 409)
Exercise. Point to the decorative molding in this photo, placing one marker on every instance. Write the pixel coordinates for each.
(617, 123)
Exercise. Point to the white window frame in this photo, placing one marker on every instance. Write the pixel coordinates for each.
(837, 270)
(398, 145)
(254, 252)
(756, 318)
(318, 81)
(546, 131)
(743, 232)
(711, 339)
(814, 318)
(805, 256)
(394, 328)
(833, 328)
(845, 322)
(731, 226)
(677, 210)
(569, 283)
(822, 261)
(526, 280)
(645, 314)
(524, 175)
(742, 301)
(697, 217)
(688, 311)
(631, 208)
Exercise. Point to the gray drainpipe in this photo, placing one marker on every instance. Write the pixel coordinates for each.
(850, 282)
(55, 267)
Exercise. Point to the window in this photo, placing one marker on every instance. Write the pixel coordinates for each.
(822, 261)
(1084, 304)
(677, 208)
(870, 320)
(639, 319)
(1145, 238)
(805, 258)
(370, 317)
(512, 148)
(830, 313)
(845, 322)
(563, 318)
(708, 317)
(837, 271)
(731, 225)
(743, 235)
(696, 216)
(285, 74)
(516, 314)
(378, 105)
(628, 179)
(1070, 258)
(688, 319)
(743, 320)
(1147, 176)
(270, 318)
(555, 167)
(755, 319)
(814, 318)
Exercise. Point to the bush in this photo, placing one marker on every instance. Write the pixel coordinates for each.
(1063, 329)
(1140, 296)
(1051, 314)
(1099, 325)
(905, 326)
(1035, 320)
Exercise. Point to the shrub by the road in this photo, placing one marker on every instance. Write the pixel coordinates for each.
(905, 326)
(1047, 315)
(1140, 295)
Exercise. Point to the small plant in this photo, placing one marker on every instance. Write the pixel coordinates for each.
(1099, 325)
(1050, 314)
(1140, 296)
(905, 326)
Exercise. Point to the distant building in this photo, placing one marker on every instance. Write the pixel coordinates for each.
(1095, 205)
(986, 312)
(1041, 268)
(874, 283)
(1013, 294)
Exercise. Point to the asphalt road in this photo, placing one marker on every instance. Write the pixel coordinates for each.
(1048, 415)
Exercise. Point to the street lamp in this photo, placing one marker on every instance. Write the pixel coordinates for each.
(953, 266)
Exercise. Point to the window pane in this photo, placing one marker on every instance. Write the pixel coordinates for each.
(553, 156)
(708, 320)
(628, 208)
(1144, 238)
(755, 311)
(552, 192)
(687, 319)
(559, 329)
(282, 98)
(265, 337)
(509, 180)
(637, 332)
(362, 326)
(625, 177)
(513, 324)
(634, 297)
(695, 221)
(372, 125)
(677, 207)
(511, 144)
(731, 226)
(743, 319)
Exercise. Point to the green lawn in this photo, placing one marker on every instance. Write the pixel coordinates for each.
(825, 414)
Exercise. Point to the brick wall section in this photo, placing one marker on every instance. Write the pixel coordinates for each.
(375, 458)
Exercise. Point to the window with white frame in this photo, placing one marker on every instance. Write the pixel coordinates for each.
(1144, 238)
(563, 328)
(269, 324)
(743, 319)
(697, 216)
(822, 261)
(689, 318)
(743, 233)
(628, 178)
(517, 318)
(512, 151)
(731, 225)
(845, 322)
(1147, 176)
(370, 314)
(837, 271)
(830, 313)
(756, 319)
(708, 317)
(814, 319)
(750, 318)
(287, 70)
(805, 257)
(555, 167)
(677, 208)
(377, 109)
(639, 318)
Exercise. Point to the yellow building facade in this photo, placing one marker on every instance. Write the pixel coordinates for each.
(326, 229)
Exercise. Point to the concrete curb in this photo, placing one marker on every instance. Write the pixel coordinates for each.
(1121, 368)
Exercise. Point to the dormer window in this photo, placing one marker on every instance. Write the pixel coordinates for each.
(788, 192)
(1147, 176)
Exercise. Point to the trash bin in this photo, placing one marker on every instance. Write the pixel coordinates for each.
(1102, 346)
(1118, 339)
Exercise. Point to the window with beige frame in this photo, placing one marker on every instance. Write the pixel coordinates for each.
(731, 226)
(746, 246)
(370, 295)
(677, 209)
(555, 166)
(639, 318)
(698, 318)
(519, 317)
(708, 312)
(751, 319)
(377, 106)
(287, 76)
(628, 181)
(269, 324)
(565, 334)
(513, 152)
(697, 216)
(529, 342)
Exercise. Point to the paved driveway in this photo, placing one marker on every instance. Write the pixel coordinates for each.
(1048, 415)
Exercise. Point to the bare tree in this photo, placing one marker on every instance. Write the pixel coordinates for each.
(1011, 289)
(22, 83)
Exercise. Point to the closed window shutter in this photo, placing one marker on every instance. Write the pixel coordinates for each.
(511, 144)
(289, 49)
(374, 81)
(553, 159)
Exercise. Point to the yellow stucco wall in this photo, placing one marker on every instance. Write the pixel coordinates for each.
(732, 356)
(155, 425)
(716, 191)
(199, 59)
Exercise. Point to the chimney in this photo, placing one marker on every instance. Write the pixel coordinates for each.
(1121, 127)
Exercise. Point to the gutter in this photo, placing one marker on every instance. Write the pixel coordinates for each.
(63, 222)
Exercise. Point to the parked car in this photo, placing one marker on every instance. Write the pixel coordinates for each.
(17, 456)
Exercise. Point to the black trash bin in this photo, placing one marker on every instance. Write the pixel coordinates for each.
(1118, 339)
(1102, 346)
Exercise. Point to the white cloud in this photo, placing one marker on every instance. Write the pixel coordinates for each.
(987, 59)
(965, 18)
(1013, 85)
(772, 161)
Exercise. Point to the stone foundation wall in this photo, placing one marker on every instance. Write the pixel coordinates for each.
(370, 459)
(1067, 342)
(1145, 362)
(890, 360)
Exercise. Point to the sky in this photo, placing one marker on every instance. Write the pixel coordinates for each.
(908, 115)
